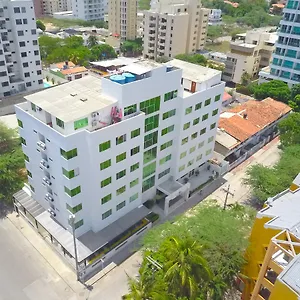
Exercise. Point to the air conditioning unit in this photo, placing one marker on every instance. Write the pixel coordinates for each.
(38, 108)
(48, 197)
(44, 164)
(47, 181)
(41, 145)
(51, 212)
(94, 114)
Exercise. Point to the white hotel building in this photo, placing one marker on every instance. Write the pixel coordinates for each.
(99, 149)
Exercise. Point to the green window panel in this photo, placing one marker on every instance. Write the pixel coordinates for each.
(104, 146)
(204, 117)
(128, 110)
(150, 155)
(120, 157)
(135, 133)
(151, 123)
(167, 130)
(201, 145)
(69, 174)
(121, 190)
(120, 174)
(181, 168)
(133, 197)
(202, 131)
(105, 164)
(170, 95)
(183, 154)
(291, 53)
(68, 154)
(190, 163)
(169, 114)
(78, 224)
(288, 64)
(150, 139)
(134, 151)
(105, 182)
(106, 214)
(149, 170)
(198, 105)
(134, 182)
(29, 174)
(196, 121)
(60, 123)
(120, 139)
(121, 205)
(188, 110)
(150, 106)
(207, 102)
(218, 97)
(165, 159)
(194, 135)
(33, 107)
(166, 145)
(73, 192)
(215, 112)
(184, 141)
(212, 126)
(26, 157)
(148, 183)
(163, 173)
(20, 123)
(23, 141)
(81, 123)
(74, 209)
(106, 199)
(199, 157)
(210, 139)
(134, 167)
(192, 149)
(186, 126)
(32, 188)
(208, 152)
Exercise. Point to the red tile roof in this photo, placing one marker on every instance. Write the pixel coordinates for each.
(251, 117)
(226, 97)
(73, 70)
(60, 65)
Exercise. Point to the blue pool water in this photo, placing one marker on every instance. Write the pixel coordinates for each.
(46, 85)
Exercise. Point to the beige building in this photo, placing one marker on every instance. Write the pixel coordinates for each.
(52, 6)
(249, 52)
(122, 18)
(174, 27)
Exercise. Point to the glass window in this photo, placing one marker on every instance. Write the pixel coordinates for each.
(105, 182)
(208, 152)
(135, 133)
(70, 174)
(199, 157)
(135, 150)
(105, 164)
(215, 112)
(149, 169)
(20, 123)
(150, 155)
(81, 123)
(166, 145)
(134, 182)
(121, 205)
(33, 107)
(183, 154)
(23, 141)
(150, 106)
(121, 190)
(121, 157)
(130, 110)
(194, 135)
(68, 154)
(181, 168)
(78, 224)
(134, 167)
(186, 126)
(198, 106)
(217, 98)
(202, 131)
(73, 192)
(121, 139)
(165, 159)
(196, 121)
(148, 183)
(29, 174)
(74, 209)
(201, 145)
(121, 174)
(210, 139)
(104, 146)
(170, 95)
(204, 117)
(165, 172)
(151, 123)
(212, 126)
(207, 102)
(169, 114)
(150, 139)
(192, 149)
(106, 199)
(190, 162)
(133, 197)
(188, 110)
(167, 130)
(60, 123)
(26, 157)
(106, 214)
(184, 141)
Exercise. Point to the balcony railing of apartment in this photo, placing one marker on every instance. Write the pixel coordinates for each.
(163, 27)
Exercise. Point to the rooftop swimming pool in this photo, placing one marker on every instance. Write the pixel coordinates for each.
(46, 85)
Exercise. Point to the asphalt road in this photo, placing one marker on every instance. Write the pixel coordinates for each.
(24, 274)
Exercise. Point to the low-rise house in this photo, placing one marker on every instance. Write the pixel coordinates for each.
(247, 127)
(68, 70)
(215, 17)
(227, 99)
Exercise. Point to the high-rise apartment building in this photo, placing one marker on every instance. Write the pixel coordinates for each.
(89, 10)
(122, 18)
(285, 64)
(174, 27)
(20, 62)
(52, 6)
(99, 148)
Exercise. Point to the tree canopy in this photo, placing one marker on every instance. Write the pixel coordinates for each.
(197, 59)
(289, 129)
(40, 25)
(132, 47)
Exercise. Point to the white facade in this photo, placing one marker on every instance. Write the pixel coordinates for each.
(89, 10)
(166, 129)
(20, 62)
(215, 16)
(174, 28)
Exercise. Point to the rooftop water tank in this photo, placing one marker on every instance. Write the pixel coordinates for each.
(129, 77)
(118, 78)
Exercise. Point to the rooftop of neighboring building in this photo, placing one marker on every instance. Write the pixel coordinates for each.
(73, 70)
(73, 100)
(193, 72)
(61, 65)
(226, 97)
(116, 62)
(141, 66)
(246, 119)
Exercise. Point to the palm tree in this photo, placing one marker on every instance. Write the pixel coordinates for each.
(92, 41)
(186, 270)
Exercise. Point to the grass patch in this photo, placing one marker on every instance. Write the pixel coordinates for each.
(144, 4)
(65, 23)
(219, 47)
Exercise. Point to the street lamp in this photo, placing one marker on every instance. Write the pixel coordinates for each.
(72, 223)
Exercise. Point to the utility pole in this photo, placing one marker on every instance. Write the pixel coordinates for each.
(72, 223)
(227, 191)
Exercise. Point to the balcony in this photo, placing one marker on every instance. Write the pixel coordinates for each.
(151, 46)
(41, 145)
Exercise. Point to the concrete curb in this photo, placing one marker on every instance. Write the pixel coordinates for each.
(100, 274)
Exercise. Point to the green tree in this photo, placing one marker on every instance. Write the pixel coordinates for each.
(48, 45)
(214, 32)
(103, 51)
(295, 103)
(40, 25)
(245, 78)
(295, 90)
(92, 41)
(73, 42)
(132, 47)
(8, 139)
(289, 129)
(197, 59)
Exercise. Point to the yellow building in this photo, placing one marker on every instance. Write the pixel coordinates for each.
(273, 257)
